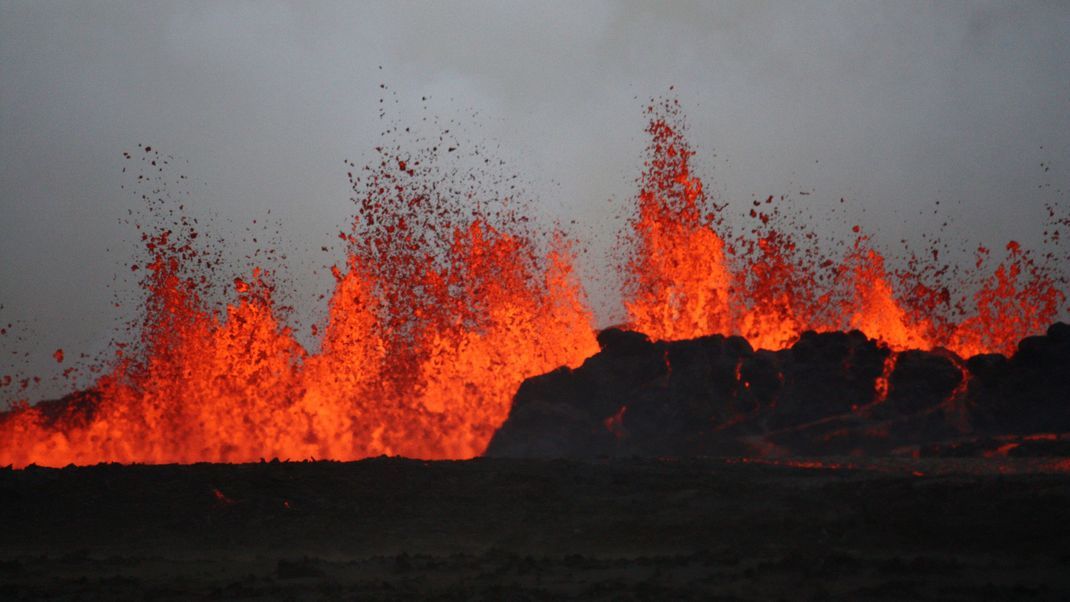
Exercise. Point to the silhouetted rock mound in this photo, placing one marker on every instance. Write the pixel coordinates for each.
(74, 408)
(830, 393)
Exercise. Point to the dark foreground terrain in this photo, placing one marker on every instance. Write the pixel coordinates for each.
(937, 529)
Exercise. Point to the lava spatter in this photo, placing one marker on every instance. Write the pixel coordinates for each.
(688, 276)
(443, 307)
(448, 298)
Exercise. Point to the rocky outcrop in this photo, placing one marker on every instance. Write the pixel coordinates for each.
(830, 393)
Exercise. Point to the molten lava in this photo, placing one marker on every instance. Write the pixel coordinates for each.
(431, 328)
(684, 280)
(445, 305)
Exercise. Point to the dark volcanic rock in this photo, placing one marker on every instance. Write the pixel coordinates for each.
(73, 408)
(634, 397)
(922, 380)
(716, 395)
(827, 374)
(1028, 393)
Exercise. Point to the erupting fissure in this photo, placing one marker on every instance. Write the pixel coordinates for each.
(444, 306)
(687, 278)
(440, 312)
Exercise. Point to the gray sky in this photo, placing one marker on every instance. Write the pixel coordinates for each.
(893, 105)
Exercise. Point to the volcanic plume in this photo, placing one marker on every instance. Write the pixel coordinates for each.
(447, 301)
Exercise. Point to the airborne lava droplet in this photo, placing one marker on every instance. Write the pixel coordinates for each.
(448, 299)
(444, 305)
(682, 279)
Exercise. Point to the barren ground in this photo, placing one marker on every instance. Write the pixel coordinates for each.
(657, 529)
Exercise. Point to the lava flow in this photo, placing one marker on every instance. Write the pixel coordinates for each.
(445, 305)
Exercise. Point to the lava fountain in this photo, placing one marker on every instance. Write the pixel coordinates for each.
(440, 311)
(446, 303)
(687, 277)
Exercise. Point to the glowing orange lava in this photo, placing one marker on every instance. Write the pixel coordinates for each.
(423, 348)
(683, 279)
(444, 306)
